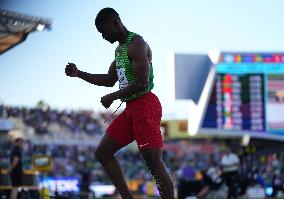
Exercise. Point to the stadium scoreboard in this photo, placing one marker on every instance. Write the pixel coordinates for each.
(247, 94)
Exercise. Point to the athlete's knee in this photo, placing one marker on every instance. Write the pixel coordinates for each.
(152, 159)
(98, 154)
(154, 162)
(101, 154)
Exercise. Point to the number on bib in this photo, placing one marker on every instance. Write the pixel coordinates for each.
(122, 78)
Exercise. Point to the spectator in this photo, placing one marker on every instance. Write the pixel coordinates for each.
(85, 181)
(197, 187)
(15, 169)
(230, 165)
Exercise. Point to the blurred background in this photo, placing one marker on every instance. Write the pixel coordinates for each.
(219, 74)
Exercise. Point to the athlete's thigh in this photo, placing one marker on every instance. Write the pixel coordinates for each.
(108, 145)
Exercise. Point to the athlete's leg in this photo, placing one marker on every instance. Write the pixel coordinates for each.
(105, 154)
(146, 114)
(156, 166)
(118, 135)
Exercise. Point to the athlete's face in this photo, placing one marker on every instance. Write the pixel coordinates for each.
(108, 31)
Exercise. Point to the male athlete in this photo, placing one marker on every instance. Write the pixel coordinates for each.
(140, 121)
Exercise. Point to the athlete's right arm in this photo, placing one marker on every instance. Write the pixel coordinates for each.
(108, 79)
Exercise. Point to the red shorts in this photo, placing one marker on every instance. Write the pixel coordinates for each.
(139, 121)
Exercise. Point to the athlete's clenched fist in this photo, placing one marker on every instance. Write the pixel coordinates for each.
(71, 70)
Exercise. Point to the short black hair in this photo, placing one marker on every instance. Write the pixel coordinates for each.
(106, 13)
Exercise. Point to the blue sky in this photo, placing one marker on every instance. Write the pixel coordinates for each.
(34, 70)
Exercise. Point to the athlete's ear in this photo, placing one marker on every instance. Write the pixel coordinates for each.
(116, 21)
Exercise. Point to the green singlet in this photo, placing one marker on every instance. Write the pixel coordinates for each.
(124, 69)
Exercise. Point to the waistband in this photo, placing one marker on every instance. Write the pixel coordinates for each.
(141, 97)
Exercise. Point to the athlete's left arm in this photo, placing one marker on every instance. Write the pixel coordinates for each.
(137, 52)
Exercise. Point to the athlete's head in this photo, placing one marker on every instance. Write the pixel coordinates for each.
(108, 23)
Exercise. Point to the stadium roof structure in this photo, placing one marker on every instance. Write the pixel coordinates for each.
(15, 28)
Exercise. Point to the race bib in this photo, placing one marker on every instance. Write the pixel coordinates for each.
(123, 82)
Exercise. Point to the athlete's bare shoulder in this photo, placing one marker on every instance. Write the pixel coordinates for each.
(139, 44)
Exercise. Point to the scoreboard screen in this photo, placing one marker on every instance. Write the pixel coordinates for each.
(248, 94)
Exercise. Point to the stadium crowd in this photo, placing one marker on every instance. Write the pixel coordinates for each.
(42, 117)
(187, 160)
